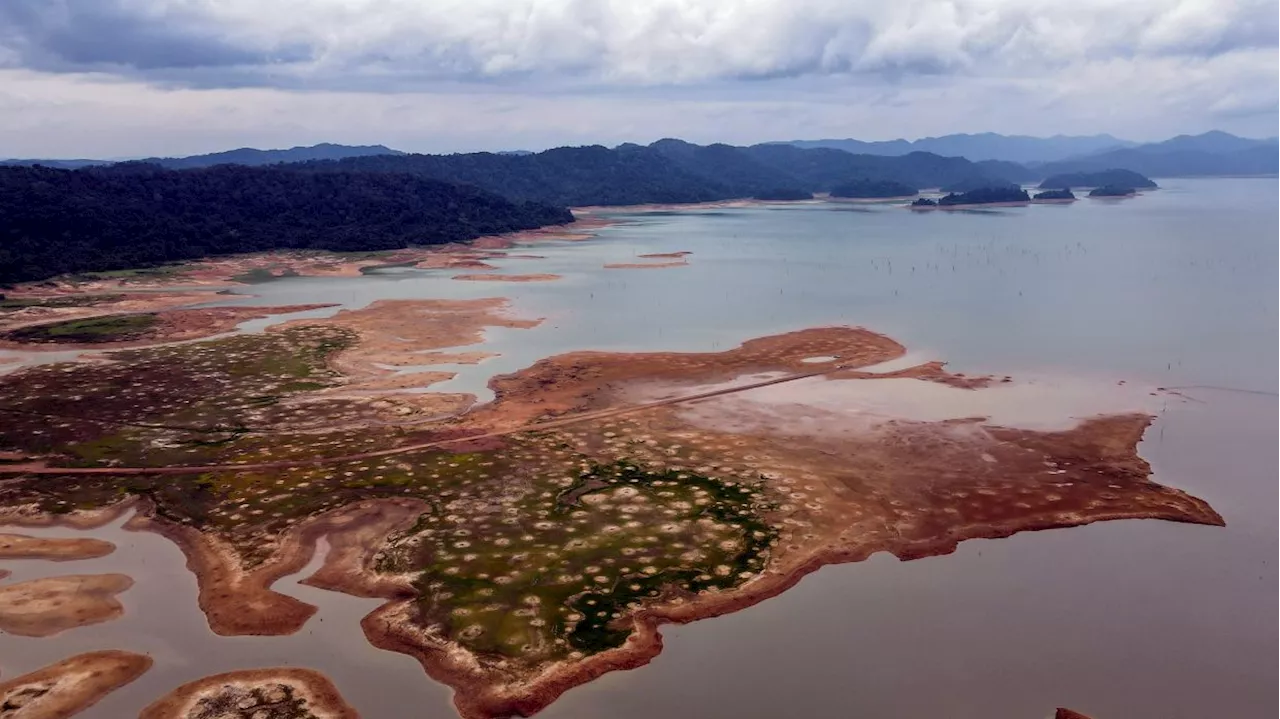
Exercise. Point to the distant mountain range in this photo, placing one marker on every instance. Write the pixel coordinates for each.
(667, 171)
(983, 146)
(243, 156)
(1213, 153)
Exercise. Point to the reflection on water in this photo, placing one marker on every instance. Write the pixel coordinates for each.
(1134, 619)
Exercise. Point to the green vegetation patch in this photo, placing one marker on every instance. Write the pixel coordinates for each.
(107, 328)
(550, 568)
(11, 304)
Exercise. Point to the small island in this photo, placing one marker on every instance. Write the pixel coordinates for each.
(1104, 178)
(1063, 195)
(786, 194)
(864, 189)
(1113, 191)
(981, 196)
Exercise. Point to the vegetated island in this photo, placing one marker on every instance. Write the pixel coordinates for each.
(1112, 191)
(1063, 195)
(873, 189)
(275, 693)
(529, 545)
(1113, 177)
(781, 194)
(974, 198)
(71, 685)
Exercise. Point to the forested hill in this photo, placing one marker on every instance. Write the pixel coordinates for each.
(668, 171)
(136, 215)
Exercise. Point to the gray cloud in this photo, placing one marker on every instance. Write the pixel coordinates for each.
(114, 35)
(403, 44)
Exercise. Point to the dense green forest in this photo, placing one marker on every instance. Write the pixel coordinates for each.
(1112, 191)
(985, 195)
(1114, 177)
(668, 171)
(1063, 194)
(869, 189)
(138, 215)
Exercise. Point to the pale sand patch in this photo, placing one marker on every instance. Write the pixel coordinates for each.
(279, 692)
(70, 686)
(21, 546)
(42, 607)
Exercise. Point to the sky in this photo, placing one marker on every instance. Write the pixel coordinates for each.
(127, 78)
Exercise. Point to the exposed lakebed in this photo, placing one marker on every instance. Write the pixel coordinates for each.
(1099, 292)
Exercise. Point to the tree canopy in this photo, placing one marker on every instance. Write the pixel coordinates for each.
(139, 215)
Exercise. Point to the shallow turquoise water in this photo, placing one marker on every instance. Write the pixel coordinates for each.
(1130, 620)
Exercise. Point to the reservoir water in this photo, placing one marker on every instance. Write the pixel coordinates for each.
(1129, 620)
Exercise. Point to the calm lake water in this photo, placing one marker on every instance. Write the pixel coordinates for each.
(1121, 620)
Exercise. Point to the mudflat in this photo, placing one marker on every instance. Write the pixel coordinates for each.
(70, 686)
(47, 606)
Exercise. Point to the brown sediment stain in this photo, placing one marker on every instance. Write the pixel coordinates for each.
(665, 255)
(70, 686)
(507, 278)
(1064, 713)
(175, 325)
(280, 692)
(58, 549)
(46, 606)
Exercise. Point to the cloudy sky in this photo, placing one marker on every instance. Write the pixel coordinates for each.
(114, 78)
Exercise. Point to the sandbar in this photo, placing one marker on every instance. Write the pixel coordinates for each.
(46, 606)
(282, 692)
(60, 549)
(507, 278)
(643, 265)
(70, 686)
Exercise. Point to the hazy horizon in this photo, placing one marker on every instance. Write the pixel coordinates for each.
(128, 78)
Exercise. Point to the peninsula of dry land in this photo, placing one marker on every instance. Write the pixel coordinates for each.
(531, 544)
